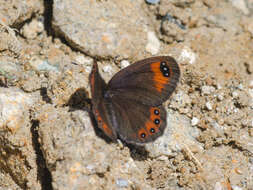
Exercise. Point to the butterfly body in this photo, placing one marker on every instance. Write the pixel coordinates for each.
(130, 107)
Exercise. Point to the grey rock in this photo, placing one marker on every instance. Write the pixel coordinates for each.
(102, 28)
(14, 12)
(10, 70)
(77, 158)
(17, 153)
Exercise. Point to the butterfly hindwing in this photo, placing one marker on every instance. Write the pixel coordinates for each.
(138, 123)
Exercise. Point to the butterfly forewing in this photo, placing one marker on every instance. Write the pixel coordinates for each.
(150, 81)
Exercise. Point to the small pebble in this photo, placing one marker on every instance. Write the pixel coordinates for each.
(153, 45)
(32, 29)
(206, 90)
(251, 84)
(240, 86)
(107, 69)
(220, 97)
(218, 186)
(219, 86)
(124, 64)
(194, 121)
(235, 94)
(234, 187)
(209, 106)
(87, 69)
(187, 55)
(122, 183)
(152, 1)
(90, 168)
(163, 158)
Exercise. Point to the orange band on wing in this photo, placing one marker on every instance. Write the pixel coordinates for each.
(149, 124)
(159, 80)
(105, 127)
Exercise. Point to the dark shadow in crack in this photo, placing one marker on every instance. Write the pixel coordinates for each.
(45, 97)
(48, 15)
(43, 174)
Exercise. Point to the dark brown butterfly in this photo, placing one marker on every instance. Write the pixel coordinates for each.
(130, 107)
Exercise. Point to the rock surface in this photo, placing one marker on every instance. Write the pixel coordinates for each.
(47, 137)
(97, 29)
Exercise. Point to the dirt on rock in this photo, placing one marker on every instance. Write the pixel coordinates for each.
(47, 49)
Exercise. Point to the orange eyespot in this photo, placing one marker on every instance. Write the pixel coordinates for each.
(105, 127)
(142, 133)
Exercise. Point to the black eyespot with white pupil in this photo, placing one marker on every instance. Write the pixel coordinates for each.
(152, 130)
(156, 112)
(157, 121)
(143, 135)
(163, 63)
(165, 69)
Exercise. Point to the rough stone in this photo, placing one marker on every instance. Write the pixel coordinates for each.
(17, 156)
(96, 27)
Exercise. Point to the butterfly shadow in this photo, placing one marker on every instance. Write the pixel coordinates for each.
(138, 152)
(79, 100)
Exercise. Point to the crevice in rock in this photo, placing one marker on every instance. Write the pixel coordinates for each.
(56, 32)
(44, 95)
(245, 151)
(48, 15)
(19, 25)
(53, 31)
(43, 173)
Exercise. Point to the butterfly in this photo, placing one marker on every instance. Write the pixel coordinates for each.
(129, 107)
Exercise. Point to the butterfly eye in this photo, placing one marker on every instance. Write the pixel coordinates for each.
(152, 130)
(156, 112)
(157, 121)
